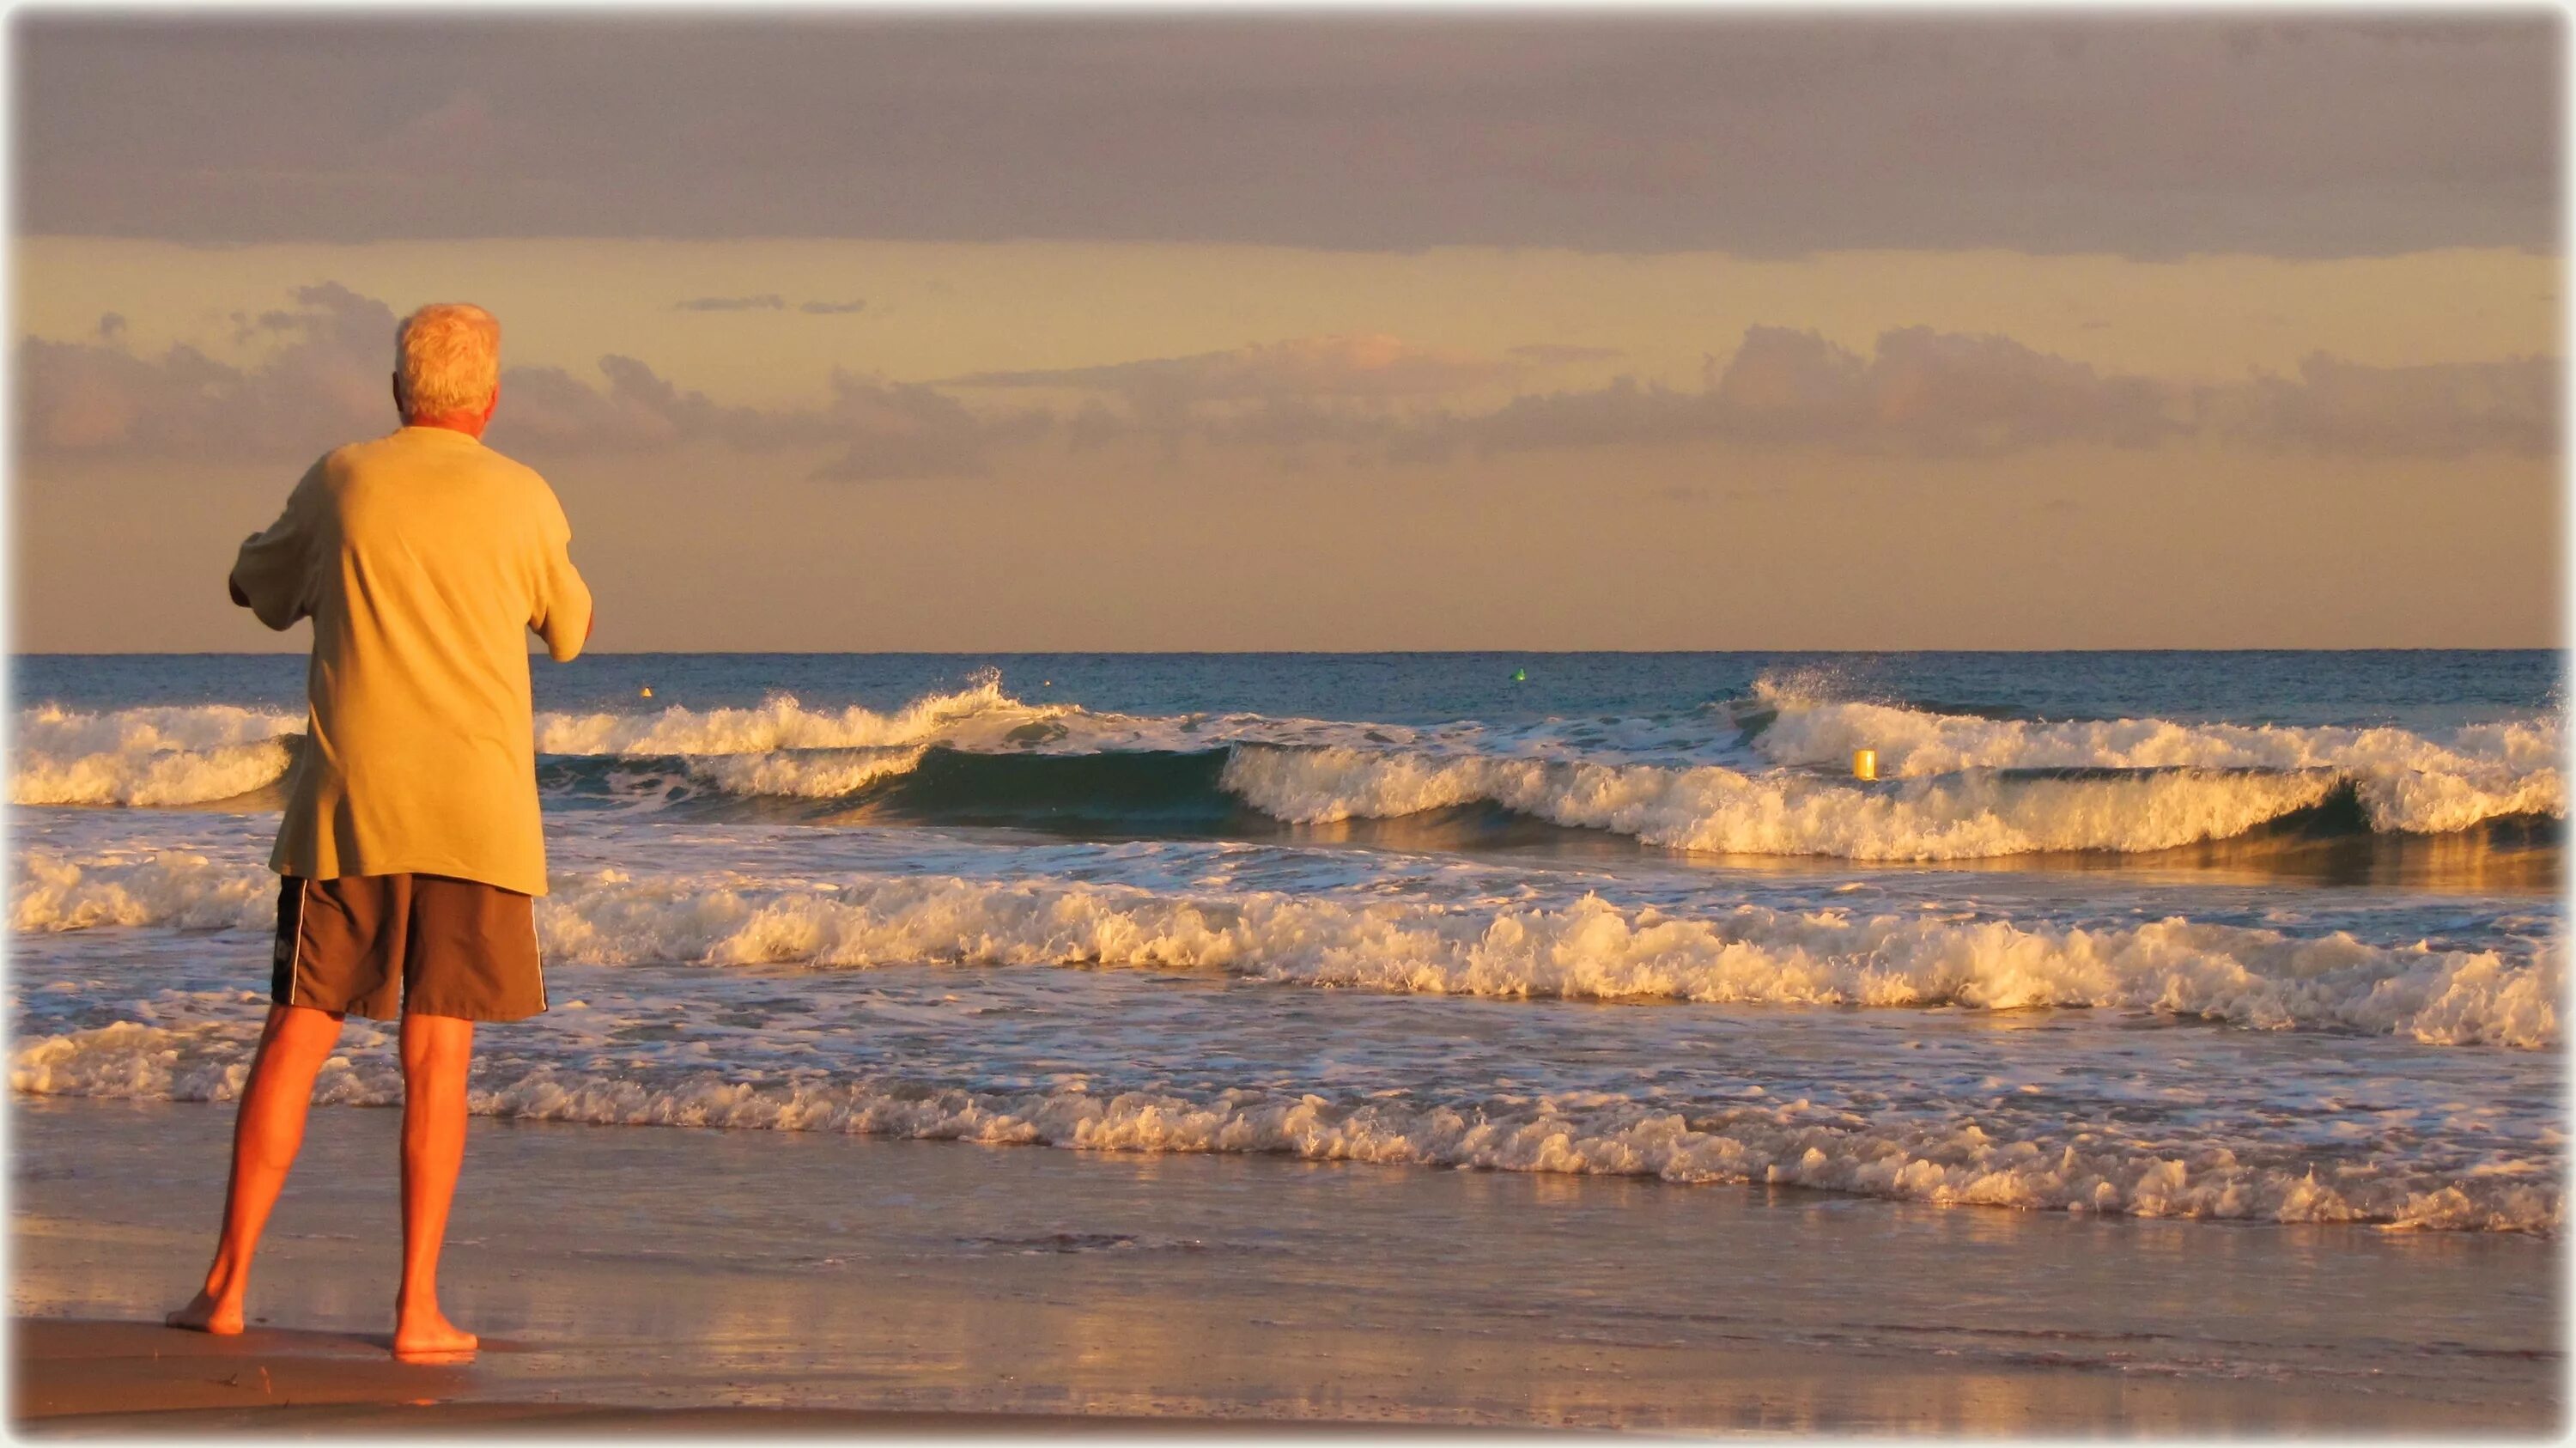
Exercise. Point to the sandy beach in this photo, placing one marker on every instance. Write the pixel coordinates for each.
(623, 1277)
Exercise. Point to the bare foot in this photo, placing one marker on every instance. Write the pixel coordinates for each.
(206, 1312)
(431, 1335)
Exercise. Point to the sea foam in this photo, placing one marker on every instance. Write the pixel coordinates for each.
(1590, 949)
(980, 715)
(1949, 1160)
(802, 773)
(2407, 781)
(172, 755)
(1954, 786)
(175, 889)
(1713, 808)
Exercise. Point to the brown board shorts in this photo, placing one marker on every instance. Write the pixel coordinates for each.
(380, 945)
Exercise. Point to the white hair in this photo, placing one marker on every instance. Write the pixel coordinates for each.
(447, 358)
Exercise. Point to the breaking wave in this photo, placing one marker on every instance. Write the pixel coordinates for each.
(1588, 950)
(175, 889)
(152, 756)
(1978, 814)
(184, 755)
(1947, 1160)
(1763, 776)
(978, 716)
(2405, 780)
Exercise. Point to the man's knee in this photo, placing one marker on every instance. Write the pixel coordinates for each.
(436, 1043)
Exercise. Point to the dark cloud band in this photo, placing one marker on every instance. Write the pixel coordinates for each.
(2142, 135)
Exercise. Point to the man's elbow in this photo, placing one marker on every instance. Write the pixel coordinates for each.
(279, 616)
(562, 644)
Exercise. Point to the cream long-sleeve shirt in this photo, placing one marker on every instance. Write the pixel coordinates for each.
(422, 557)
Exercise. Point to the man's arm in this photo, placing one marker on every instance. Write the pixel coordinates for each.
(563, 599)
(272, 576)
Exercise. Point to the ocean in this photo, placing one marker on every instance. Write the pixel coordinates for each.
(2219, 936)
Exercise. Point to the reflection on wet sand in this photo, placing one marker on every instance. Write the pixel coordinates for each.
(676, 1268)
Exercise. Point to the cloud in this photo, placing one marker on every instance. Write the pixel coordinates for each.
(454, 138)
(321, 380)
(900, 430)
(1937, 394)
(325, 382)
(884, 430)
(1932, 392)
(1922, 392)
(831, 309)
(2158, 135)
(2442, 411)
(553, 410)
(328, 379)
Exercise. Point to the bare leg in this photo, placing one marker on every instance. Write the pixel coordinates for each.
(435, 1052)
(267, 1132)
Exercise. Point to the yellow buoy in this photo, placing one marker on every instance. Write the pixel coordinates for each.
(646, 693)
(1864, 764)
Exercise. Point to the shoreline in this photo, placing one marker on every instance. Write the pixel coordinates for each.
(901, 1286)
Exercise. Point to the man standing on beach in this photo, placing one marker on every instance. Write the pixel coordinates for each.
(411, 847)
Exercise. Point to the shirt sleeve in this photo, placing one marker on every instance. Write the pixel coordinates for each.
(562, 615)
(273, 576)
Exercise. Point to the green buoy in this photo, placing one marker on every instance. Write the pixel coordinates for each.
(1520, 676)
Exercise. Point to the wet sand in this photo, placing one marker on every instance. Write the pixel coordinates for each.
(644, 1277)
(86, 1379)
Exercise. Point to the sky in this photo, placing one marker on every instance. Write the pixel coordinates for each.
(1643, 330)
